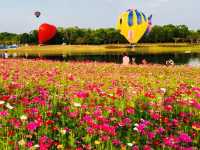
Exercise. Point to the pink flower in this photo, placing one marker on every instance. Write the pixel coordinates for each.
(135, 147)
(4, 113)
(119, 92)
(160, 130)
(71, 77)
(183, 137)
(82, 94)
(104, 138)
(14, 122)
(29, 144)
(169, 100)
(155, 116)
(151, 135)
(32, 126)
(97, 112)
(127, 121)
(147, 147)
(73, 114)
(168, 108)
(90, 130)
(170, 141)
(45, 143)
(198, 95)
(196, 89)
(130, 111)
(197, 106)
(116, 142)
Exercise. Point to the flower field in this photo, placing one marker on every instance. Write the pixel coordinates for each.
(87, 105)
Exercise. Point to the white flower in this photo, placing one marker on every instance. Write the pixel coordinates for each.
(136, 129)
(22, 142)
(23, 117)
(9, 106)
(136, 124)
(2, 102)
(110, 94)
(130, 144)
(63, 131)
(77, 104)
(163, 90)
(34, 147)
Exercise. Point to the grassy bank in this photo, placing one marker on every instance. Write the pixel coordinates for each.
(101, 49)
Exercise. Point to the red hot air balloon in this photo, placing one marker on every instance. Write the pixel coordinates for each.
(46, 33)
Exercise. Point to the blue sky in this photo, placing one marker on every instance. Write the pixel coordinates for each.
(17, 15)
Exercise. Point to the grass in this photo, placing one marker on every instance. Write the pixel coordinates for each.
(102, 49)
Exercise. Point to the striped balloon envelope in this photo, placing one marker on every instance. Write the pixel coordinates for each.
(133, 24)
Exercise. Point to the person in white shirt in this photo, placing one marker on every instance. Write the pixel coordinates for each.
(126, 59)
(6, 55)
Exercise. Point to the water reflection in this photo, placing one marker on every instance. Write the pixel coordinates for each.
(194, 62)
(192, 59)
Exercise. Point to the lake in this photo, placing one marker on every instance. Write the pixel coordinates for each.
(187, 58)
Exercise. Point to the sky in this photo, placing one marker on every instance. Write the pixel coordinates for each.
(17, 16)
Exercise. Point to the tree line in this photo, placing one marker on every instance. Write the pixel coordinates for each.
(76, 35)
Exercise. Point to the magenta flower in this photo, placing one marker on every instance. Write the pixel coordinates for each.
(184, 137)
(155, 116)
(29, 144)
(197, 106)
(130, 111)
(151, 135)
(168, 108)
(45, 143)
(160, 130)
(14, 122)
(73, 114)
(90, 130)
(82, 94)
(4, 113)
(32, 126)
(198, 95)
(170, 141)
(104, 138)
(196, 89)
(116, 142)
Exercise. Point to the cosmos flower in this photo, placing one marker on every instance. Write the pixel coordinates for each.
(4, 113)
(23, 117)
(77, 104)
(31, 126)
(184, 137)
(2, 102)
(9, 106)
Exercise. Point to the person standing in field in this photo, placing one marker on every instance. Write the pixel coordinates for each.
(126, 59)
(5, 55)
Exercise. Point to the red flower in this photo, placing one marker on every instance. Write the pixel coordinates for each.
(168, 108)
(11, 133)
(150, 95)
(5, 98)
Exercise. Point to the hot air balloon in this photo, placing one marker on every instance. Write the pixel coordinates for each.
(133, 24)
(46, 32)
(37, 14)
(149, 25)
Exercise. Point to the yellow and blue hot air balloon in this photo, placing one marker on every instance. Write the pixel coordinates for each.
(133, 24)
